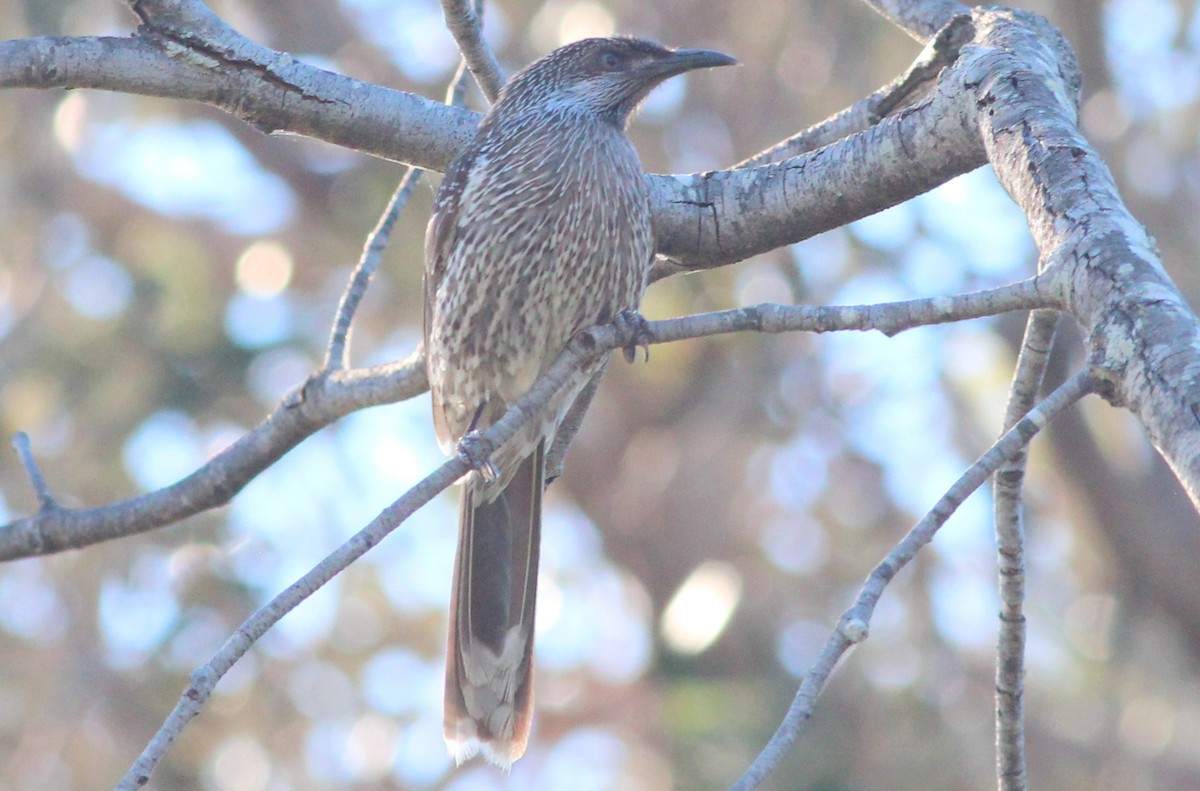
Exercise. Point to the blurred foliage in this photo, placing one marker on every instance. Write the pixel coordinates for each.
(166, 274)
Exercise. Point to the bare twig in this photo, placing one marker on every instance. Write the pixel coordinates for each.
(584, 346)
(463, 18)
(565, 432)
(337, 353)
(1010, 547)
(853, 626)
(888, 318)
(20, 443)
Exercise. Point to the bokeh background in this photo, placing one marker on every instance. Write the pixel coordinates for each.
(167, 273)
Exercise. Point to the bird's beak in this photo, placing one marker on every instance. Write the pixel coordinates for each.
(682, 60)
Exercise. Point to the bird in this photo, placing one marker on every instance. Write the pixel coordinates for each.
(540, 228)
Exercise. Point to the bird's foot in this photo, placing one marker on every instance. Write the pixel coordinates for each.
(636, 328)
(477, 452)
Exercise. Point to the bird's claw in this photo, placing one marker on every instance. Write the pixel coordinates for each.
(633, 325)
(477, 452)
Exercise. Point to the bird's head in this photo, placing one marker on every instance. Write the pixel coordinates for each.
(607, 76)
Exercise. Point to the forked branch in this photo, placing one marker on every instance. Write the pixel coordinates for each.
(854, 624)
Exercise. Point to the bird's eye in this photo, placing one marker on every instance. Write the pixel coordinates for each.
(610, 60)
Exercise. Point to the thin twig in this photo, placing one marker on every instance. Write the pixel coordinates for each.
(566, 430)
(853, 626)
(202, 681)
(20, 442)
(464, 21)
(584, 346)
(1010, 547)
(889, 318)
(337, 354)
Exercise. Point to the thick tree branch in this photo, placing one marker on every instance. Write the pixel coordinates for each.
(853, 626)
(716, 218)
(269, 90)
(184, 51)
(1140, 329)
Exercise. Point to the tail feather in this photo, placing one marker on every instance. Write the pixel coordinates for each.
(489, 663)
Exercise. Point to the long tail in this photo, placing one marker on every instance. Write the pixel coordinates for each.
(489, 662)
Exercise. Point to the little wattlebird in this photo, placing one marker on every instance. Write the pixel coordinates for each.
(541, 228)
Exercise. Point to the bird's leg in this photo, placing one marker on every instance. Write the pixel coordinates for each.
(636, 328)
(477, 452)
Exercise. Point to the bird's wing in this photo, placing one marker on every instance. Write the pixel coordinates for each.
(439, 240)
(439, 235)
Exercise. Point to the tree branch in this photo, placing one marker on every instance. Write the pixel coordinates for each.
(941, 51)
(267, 89)
(337, 352)
(20, 443)
(919, 18)
(853, 626)
(889, 318)
(326, 397)
(716, 218)
(1010, 551)
(184, 51)
(319, 402)
(466, 25)
(1141, 332)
